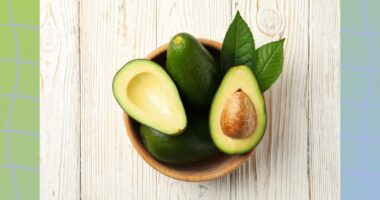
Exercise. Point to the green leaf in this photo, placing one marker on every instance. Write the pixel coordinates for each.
(238, 46)
(270, 59)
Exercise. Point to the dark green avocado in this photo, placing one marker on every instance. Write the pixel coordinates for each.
(193, 69)
(193, 145)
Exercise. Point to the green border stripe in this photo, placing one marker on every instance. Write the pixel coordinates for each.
(19, 99)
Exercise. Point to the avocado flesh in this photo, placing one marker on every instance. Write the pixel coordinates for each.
(239, 78)
(146, 92)
(193, 69)
(193, 145)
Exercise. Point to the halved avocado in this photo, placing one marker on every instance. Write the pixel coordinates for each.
(146, 92)
(238, 116)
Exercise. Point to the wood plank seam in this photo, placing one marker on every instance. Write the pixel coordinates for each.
(80, 99)
(308, 92)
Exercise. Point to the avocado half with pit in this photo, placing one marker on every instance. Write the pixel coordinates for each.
(146, 92)
(238, 116)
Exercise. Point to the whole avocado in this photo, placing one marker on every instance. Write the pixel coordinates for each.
(193, 69)
(193, 145)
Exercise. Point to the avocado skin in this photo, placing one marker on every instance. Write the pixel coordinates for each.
(193, 69)
(193, 145)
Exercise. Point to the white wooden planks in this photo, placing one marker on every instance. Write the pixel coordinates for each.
(118, 32)
(324, 94)
(84, 43)
(60, 100)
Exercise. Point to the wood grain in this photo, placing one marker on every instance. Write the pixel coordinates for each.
(85, 42)
(118, 32)
(60, 100)
(324, 99)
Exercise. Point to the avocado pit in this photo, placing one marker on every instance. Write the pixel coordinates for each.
(238, 118)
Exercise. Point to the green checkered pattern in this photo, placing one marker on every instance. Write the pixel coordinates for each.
(19, 99)
(360, 135)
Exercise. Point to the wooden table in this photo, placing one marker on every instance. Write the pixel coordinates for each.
(85, 152)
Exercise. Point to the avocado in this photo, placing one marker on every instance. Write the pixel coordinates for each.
(237, 115)
(193, 69)
(193, 145)
(146, 92)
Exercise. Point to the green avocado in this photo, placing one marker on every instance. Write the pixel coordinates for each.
(237, 115)
(193, 145)
(193, 69)
(146, 92)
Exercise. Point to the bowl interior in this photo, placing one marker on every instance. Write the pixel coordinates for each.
(212, 168)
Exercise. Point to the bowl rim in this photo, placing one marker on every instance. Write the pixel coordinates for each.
(164, 168)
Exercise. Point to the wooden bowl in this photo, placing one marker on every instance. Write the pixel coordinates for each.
(206, 170)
